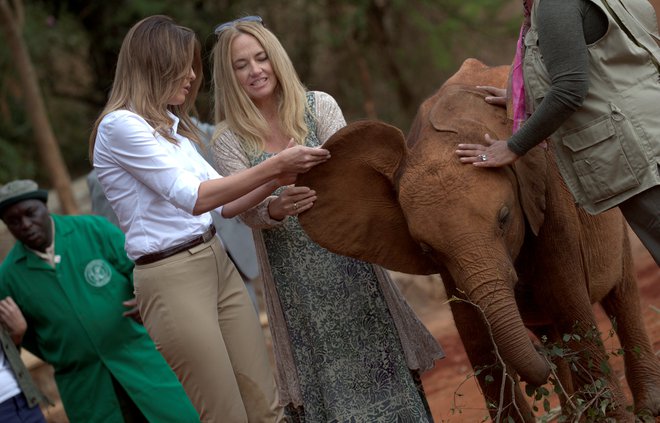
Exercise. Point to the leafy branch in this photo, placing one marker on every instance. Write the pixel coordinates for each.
(591, 402)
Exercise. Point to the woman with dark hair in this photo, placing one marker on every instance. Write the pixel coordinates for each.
(192, 300)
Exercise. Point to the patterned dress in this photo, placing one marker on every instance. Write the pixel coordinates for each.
(349, 360)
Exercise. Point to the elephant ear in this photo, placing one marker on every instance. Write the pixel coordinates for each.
(531, 170)
(473, 72)
(461, 105)
(357, 213)
(459, 99)
(460, 102)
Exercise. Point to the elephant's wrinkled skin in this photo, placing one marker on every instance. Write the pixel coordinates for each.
(509, 240)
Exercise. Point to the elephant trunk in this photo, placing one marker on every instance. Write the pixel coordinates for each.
(491, 291)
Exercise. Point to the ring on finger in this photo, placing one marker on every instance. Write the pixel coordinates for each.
(483, 157)
(295, 206)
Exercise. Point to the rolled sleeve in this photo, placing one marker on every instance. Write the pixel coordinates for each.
(136, 149)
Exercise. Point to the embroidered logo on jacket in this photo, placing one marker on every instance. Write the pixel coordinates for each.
(98, 273)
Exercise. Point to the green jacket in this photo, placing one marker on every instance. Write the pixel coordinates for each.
(32, 394)
(609, 149)
(75, 323)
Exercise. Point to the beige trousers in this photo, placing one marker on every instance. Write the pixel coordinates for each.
(195, 307)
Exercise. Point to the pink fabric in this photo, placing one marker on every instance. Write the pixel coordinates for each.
(516, 89)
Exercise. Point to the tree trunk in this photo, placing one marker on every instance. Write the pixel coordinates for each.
(47, 146)
(368, 103)
(376, 15)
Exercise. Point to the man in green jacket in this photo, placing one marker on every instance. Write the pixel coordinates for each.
(72, 280)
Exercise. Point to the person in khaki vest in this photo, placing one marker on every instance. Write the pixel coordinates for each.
(586, 77)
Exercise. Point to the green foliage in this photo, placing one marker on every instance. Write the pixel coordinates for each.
(58, 49)
(17, 154)
(388, 53)
(593, 401)
(410, 48)
(12, 164)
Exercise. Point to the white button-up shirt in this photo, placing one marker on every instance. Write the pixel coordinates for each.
(8, 384)
(151, 183)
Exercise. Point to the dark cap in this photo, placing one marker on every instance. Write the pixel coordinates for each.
(19, 190)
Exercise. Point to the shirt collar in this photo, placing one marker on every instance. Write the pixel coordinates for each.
(48, 255)
(175, 122)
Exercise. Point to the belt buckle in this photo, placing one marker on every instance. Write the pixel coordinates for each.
(206, 236)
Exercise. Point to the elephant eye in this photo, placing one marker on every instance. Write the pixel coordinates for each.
(503, 217)
(425, 247)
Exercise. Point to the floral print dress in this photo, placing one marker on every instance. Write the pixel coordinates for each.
(346, 350)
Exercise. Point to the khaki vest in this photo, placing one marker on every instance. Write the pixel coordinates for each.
(609, 149)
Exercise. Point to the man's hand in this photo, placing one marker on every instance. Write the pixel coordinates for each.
(133, 312)
(12, 319)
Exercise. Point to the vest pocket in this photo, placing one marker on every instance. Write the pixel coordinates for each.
(598, 157)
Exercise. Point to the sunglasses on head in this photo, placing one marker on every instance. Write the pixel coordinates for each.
(218, 29)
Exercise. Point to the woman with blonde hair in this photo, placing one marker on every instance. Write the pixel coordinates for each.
(191, 298)
(348, 348)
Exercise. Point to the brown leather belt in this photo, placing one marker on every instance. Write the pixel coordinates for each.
(159, 255)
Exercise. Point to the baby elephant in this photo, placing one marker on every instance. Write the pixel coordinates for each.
(509, 243)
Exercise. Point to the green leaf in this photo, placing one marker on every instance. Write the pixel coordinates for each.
(557, 352)
(603, 406)
(529, 389)
(605, 367)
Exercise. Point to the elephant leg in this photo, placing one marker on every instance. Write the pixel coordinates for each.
(642, 365)
(592, 378)
(479, 348)
(560, 274)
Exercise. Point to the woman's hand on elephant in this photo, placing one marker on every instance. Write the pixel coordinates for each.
(496, 96)
(292, 201)
(495, 154)
(299, 159)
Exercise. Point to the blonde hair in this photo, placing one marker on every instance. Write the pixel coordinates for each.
(155, 56)
(235, 111)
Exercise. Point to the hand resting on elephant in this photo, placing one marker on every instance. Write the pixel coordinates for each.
(494, 95)
(292, 200)
(494, 153)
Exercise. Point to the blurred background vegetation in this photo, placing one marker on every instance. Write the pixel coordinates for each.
(378, 58)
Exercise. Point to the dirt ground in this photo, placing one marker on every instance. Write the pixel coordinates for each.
(453, 396)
